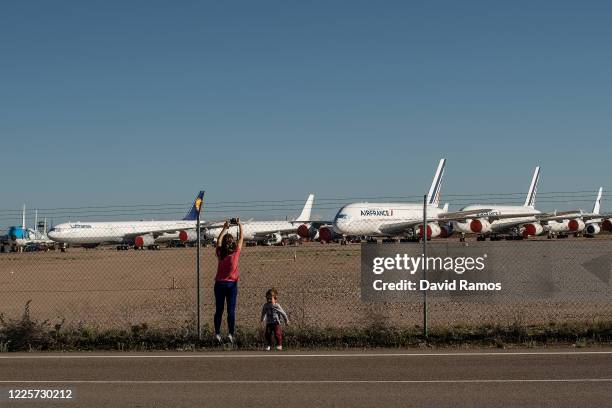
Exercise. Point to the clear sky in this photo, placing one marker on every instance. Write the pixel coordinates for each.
(127, 102)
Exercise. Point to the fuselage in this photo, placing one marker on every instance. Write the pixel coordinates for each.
(372, 218)
(89, 233)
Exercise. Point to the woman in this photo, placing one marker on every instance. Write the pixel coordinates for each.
(226, 281)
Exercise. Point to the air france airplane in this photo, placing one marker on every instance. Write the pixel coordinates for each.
(139, 234)
(588, 223)
(522, 220)
(269, 232)
(398, 219)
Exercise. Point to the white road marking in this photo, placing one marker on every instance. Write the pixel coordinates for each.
(283, 355)
(545, 380)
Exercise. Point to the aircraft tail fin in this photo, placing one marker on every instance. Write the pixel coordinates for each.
(533, 189)
(305, 214)
(195, 208)
(433, 196)
(445, 208)
(597, 205)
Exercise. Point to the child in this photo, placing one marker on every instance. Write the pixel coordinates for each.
(271, 315)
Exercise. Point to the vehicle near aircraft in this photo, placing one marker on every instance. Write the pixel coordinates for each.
(266, 232)
(401, 219)
(578, 222)
(512, 220)
(126, 234)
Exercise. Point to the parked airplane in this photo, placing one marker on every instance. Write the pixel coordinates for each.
(519, 221)
(20, 237)
(578, 222)
(139, 234)
(398, 219)
(267, 232)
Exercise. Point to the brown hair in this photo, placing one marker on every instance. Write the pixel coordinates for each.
(271, 293)
(228, 246)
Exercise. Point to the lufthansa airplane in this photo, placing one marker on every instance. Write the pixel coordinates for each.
(139, 234)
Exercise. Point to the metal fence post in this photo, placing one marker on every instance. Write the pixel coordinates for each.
(424, 237)
(199, 327)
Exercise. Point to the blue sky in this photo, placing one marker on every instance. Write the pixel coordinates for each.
(147, 102)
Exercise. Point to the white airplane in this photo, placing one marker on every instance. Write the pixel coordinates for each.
(399, 219)
(516, 220)
(139, 234)
(21, 237)
(267, 232)
(579, 222)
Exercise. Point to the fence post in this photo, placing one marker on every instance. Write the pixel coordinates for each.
(199, 246)
(424, 238)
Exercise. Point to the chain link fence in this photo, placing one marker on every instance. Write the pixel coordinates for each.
(319, 285)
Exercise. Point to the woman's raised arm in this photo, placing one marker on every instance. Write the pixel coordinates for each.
(241, 239)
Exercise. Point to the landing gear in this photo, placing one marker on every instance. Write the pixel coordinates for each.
(481, 238)
(462, 237)
(123, 247)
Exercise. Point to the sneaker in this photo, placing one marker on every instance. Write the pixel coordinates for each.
(230, 338)
(279, 347)
(267, 348)
(217, 338)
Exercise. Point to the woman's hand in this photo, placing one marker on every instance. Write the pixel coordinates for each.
(226, 224)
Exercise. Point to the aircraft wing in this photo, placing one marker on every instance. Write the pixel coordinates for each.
(401, 227)
(262, 234)
(156, 233)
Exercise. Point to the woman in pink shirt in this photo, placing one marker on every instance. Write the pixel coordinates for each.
(226, 281)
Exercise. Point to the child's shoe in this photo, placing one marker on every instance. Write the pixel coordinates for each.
(267, 348)
(279, 347)
(217, 338)
(230, 338)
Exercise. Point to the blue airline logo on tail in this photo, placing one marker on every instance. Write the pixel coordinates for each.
(196, 208)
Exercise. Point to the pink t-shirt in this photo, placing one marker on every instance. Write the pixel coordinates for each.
(227, 269)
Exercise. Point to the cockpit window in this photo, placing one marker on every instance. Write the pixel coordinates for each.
(343, 216)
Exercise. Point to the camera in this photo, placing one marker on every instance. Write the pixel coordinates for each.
(234, 221)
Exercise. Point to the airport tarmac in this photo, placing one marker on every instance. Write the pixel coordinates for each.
(526, 378)
(319, 285)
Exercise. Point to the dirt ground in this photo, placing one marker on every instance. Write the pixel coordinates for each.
(319, 285)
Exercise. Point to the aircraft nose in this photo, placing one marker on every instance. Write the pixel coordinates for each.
(340, 225)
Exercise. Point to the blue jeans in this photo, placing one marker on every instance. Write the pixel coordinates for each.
(225, 292)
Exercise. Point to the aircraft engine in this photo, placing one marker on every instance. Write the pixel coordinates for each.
(480, 226)
(274, 239)
(433, 230)
(327, 234)
(306, 232)
(593, 229)
(606, 225)
(531, 229)
(556, 226)
(575, 225)
(189, 236)
(446, 230)
(144, 241)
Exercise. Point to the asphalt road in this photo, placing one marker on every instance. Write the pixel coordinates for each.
(537, 378)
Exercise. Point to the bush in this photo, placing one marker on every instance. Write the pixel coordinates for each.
(26, 333)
